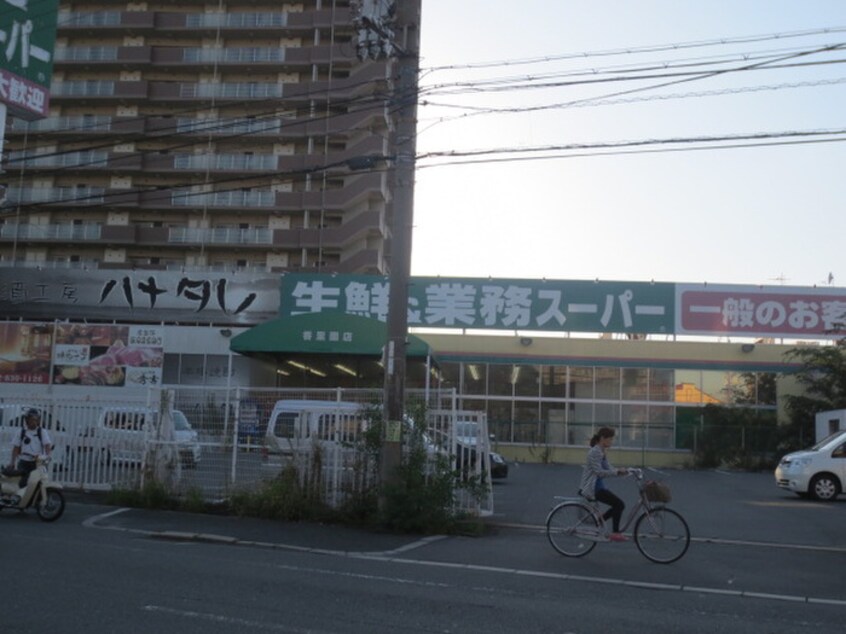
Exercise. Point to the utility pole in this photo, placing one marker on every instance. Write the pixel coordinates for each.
(408, 27)
(395, 31)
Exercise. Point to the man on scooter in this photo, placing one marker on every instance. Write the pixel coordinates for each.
(33, 441)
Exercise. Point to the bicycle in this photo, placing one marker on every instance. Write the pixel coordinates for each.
(575, 526)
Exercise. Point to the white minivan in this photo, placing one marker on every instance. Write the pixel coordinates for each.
(298, 425)
(818, 472)
(126, 430)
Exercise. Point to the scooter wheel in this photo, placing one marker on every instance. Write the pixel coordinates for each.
(53, 507)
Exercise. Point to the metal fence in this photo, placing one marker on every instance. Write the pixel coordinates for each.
(214, 442)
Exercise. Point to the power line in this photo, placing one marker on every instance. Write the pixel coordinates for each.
(655, 48)
(478, 110)
(573, 150)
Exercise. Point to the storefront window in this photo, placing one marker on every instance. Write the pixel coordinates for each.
(581, 382)
(661, 386)
(635, 384)
(526, 380)
(608, 383)
(527, 427)
(471, 404)
(499, 420)
(449, 375)
(606, 414)
(580, 426)
(718, 387)
(688, 388)
(660, 431)
(554, 383)
(554, 416)
(500, 379)
(635, 420)
(767, 394)
(475, 378)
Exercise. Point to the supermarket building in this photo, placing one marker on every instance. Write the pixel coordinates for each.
(547, 360)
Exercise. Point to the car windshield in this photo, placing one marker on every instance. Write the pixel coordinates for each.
(836, 435)
(180, 423)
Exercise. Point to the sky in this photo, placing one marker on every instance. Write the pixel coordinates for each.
(766, 215)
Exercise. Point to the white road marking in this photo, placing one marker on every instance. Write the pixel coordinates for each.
(228, 620)
(389, 556)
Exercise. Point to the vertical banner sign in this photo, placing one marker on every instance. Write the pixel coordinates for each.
(27, 37)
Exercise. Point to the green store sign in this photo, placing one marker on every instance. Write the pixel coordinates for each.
(493, 304)
(27, 37)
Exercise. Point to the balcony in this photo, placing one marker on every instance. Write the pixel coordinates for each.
(249, 199)
(211, 163)
(254, 57)
(63, 232)
(70, 58)
(356, 189)
(96, 91)
(181, 92)
(259, 236)
(276, 125)
(77, 124)
(231, 24)
(245, 59)
(56, 263)
(98, 22)
(72, 161)
(49, 195)
(270, 126)
(370, 223)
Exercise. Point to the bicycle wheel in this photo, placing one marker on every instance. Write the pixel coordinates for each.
(569, 528)
(662, 535)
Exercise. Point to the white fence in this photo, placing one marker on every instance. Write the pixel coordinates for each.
(213, 442)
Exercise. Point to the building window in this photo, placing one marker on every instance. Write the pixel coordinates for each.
(554, 381)
(500, 379)
(635, 384)
(475, 379)
(608, 383)
(526, 379)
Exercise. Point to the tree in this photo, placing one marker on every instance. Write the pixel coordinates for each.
(822, 376)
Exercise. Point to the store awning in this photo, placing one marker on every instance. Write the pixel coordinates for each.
(321, 333)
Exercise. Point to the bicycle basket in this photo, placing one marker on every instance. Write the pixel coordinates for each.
(656, 491)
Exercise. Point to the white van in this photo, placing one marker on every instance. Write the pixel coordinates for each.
(818, 472)
(125, 431)
(298, 425)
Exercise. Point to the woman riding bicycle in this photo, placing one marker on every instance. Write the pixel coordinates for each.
(596, 469)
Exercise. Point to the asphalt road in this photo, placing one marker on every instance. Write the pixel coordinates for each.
(761, 561)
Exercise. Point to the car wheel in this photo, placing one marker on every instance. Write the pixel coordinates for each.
(824, 487)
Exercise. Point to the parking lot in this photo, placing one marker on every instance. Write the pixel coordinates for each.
(718, 505)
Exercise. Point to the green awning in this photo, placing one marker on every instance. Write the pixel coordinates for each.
(321, 333)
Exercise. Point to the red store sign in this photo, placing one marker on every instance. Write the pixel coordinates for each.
(745, 311)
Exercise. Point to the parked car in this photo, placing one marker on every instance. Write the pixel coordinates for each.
(297, 426)
(122, 433)
(186, 440)
(818, 472)
(467, 438)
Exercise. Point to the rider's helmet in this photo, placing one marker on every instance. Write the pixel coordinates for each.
(33, 412)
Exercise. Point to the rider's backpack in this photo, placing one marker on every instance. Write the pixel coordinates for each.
(37, 433)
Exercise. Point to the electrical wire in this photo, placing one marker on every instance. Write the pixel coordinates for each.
(392, 100)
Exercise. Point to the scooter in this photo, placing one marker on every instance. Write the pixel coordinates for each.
(45, 496)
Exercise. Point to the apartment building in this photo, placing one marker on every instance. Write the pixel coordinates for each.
(244, 136)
